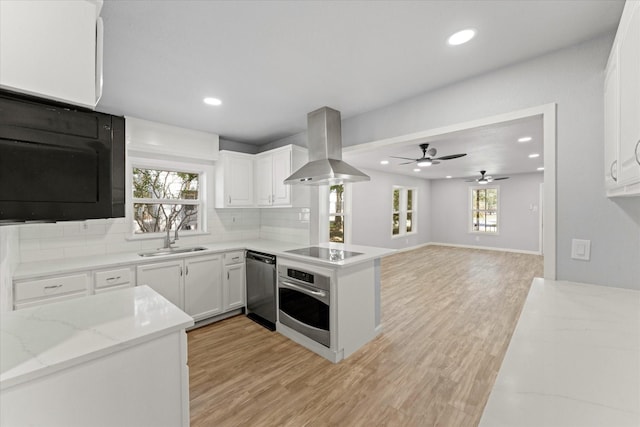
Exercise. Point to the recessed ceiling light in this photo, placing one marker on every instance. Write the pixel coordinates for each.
(416, 170)
(540, 168)
(212, 101)
(534, 155)
(384, 162)
(525, 139)
(461, 37)
(448, 177)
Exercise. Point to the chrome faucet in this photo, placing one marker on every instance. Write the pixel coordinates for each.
(167, 239)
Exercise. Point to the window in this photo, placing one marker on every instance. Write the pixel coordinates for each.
(336, 213)
(404, 214)
(484, 210)
(165, 200)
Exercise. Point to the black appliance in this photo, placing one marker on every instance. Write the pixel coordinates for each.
(59, 162)
(261, 288)
(304, 302)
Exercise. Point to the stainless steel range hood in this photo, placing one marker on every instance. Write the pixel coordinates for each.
(325, 152)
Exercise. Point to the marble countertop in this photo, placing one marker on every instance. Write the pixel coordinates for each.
(44, 268)
(41, 340)
(573, 360)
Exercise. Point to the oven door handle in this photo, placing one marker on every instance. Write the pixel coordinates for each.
(290, 285)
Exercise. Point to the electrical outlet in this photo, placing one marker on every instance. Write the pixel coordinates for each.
(581, 249)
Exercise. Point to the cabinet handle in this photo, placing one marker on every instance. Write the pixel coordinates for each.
(236, 258)
(229, 199)
(187, 270)
(113, 278)
(611, 169)
(638, 152)
(53, 286)
(228, 275)
(180, 271)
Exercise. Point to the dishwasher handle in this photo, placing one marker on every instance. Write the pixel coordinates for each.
(265, 258)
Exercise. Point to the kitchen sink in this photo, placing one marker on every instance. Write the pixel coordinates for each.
(171, 251)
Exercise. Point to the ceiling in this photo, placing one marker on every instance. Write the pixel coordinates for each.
(271, 62)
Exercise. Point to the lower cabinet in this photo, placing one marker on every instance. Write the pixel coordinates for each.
(193, 284)
(29, 293)
(234, 281)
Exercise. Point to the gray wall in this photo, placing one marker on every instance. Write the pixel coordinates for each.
(572, 78)
(371, 211)
(519, 224)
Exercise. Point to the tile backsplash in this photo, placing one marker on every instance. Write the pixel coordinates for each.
(38, 242)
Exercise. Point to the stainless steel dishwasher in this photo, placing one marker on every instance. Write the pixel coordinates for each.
(261, 288)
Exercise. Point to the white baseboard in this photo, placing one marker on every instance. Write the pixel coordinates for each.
(486, 248)
(410, 248)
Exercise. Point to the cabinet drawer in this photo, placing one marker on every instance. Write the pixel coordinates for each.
(108, 278)
(112, 288)
(233, 257)
(48, 287)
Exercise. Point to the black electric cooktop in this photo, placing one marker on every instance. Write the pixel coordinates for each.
(324, 253)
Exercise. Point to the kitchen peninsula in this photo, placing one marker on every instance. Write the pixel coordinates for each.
(96, 361)
(354, 293)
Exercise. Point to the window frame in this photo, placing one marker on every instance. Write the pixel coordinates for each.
(471, 210)
(324, 216)
(404, 210)
(150, 162)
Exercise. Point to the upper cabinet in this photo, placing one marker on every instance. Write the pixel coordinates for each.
(234, 180)
(52, 49)
(271, 169)
(622, 107)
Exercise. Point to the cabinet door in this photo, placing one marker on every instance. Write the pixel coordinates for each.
(281, 170)
(611, 121)
(234, 279)
(203, 286)
(263, 178)
(48, 48)
(164, 278)
(239, 181)
(629, 63)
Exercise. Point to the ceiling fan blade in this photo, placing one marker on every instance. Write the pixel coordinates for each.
(405, 158)
(433, 162)
(407, 163)
(451, 156)
(498, 179)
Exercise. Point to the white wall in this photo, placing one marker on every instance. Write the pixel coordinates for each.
(371, 211)
(519, 213)
(572, 78)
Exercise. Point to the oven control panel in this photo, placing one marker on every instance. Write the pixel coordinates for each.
(300, 275)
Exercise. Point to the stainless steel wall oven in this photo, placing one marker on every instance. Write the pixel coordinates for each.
(304, 303)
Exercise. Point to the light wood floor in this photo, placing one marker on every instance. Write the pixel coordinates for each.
(448, 315)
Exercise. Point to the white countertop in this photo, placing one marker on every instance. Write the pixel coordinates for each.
(44, 268)
(573, 360)
(44, 339)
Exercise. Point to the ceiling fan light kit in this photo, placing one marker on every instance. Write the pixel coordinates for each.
(427, 158)
(485, 179)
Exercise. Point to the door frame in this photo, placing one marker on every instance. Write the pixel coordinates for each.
(548, 113)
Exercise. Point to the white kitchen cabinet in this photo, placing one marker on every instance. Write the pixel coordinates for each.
(611, 121)
(271, 169)
(234, 180)
(165, 278)
(113, 279)
(193, 284)
(52, 49)
(234, 281)
(622, 107)
(203, 286)
(30, 293)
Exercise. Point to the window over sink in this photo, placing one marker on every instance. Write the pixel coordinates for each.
(166, 196)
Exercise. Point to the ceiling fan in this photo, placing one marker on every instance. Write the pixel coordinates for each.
(427, 158)
(486, 179)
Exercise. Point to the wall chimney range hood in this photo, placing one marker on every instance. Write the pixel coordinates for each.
(325, 166)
